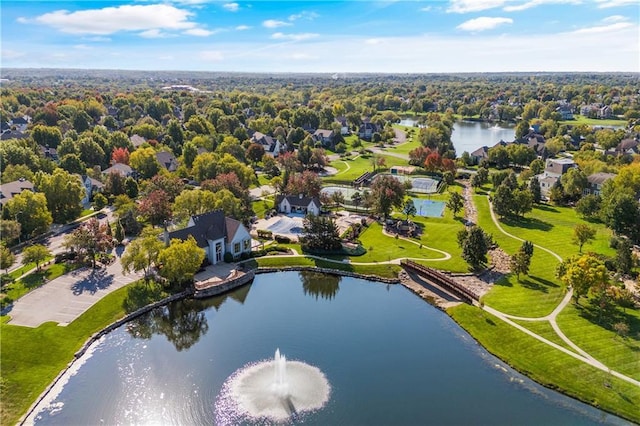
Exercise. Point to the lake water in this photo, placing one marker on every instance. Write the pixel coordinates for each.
(471, 135)
(390, 358)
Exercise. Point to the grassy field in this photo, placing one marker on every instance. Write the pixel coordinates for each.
(580, 119)
(351, 168)
(549, 366)
(261, 206)
(33, 357)
(544, 329)
(534, 296)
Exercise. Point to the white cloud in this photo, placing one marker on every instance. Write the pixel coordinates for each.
(97, 39)
(166, 57)
(199, 32)
(294, 37)
(309, 16)
(606, 4)
(373, 41)
(82, 47)
(23, 20)
(211, 55)
(300, 56)
(425, 9)
(243, 27)
(615, 18)
(466, 6)
(8, 54)
(603, 28)
(110, 20)
(535, 3)
(153, 33)
(272, 23)
(483, 23)
(231, 7)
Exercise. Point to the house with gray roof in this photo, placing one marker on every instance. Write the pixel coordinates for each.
(298, 204)
(123, 170)
(11, 189)
(271, 145)
(216, 234)
(167, 160)
(324, 136)
(596, 181)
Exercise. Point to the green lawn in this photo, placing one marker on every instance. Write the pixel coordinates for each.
(621, 354)
(261, 206)
(580, 119)
(544, 329)
(33, 357)
(534, 296)
(357, 166)
(549, 366)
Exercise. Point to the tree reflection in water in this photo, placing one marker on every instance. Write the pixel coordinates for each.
(319, 284)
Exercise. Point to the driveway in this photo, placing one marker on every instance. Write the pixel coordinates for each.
(64, 299)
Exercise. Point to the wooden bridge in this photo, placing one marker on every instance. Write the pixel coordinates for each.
(441, 281)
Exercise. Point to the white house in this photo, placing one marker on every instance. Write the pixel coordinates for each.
(298, 204)
(216, 235)
(91, 186)
(271, 145)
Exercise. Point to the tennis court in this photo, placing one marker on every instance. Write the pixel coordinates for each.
(422, 185)
(347, 192)
(428, 208)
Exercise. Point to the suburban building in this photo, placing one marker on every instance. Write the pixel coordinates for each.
(137, 140)
(11, 189)
(324, 136)
(123, 170)
(271, 145)
(167, 160)
(596, 181)
(554, 169)
(91, 186)
(216, 234)
(367, 129)
(344, 125)
(479, 154)
(298, 204)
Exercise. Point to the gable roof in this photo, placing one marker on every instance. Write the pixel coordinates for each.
(298, 200)
(324, 133)
(122, 169)
(137, 140)
(232, 227)
(11, 189)
(167, 160)
(205, 227)
(600, 178)
(482, 152)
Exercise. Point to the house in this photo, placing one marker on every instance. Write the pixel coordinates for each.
(91, 186)
(167, 160)
(20, 123)
(216, 235)
(49, 153)
(344, 125)
(137, 140)
(546, 183)
(554, 169)
(123, 170)
(628, 147)
(323, 136)
(479, 154)
(271, 145)
(596, 181)
(298, 204)
(367, 129)
(605, 112)
(11, 189)
(566, 111)
(13, 134)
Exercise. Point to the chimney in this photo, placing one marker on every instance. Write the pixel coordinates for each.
(300, 195)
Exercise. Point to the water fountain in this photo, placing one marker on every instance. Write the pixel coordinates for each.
(274, 390)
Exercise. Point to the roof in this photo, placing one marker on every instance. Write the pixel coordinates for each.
(122, 169)
(11, 189)
(232, 227)
(600, 178)
(206, 226)
(94, 182)
(13, 134)
(483, 152)
(167, 160)
(323, 133)
(298, 200)
(137, 140)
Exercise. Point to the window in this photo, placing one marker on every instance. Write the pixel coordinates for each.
(246, 245)
(236, 247)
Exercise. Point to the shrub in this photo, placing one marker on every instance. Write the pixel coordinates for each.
(244, 255)
(282, 239)
(228, 257)
(5, 301)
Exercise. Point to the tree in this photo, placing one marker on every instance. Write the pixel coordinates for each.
(119, 233)
(320, 234)
(522, 202)
(621, 212)
(521, 261)
(624, 257)
(36, 253)
(356, 199)
(30, 210)
(574, 182)
(589, 206)
(386, 192)
(536, 190)
(144, 161)
(63, 192)
(455, 203)
(48, 136)
(409, 208)
(193, 202)
(337, 198)
(114, 184)
(89, 240)
(72, 164)
(503, 201)
(120, 155)
(307, 183)
(156, 207)
(474, 246)
(582, 272)
(255, 152)
(142, 253)
(99, 201)
(180, 260)
(7, 258)
(583, 234)
(170, 184)
(130, 187)
(9, 230)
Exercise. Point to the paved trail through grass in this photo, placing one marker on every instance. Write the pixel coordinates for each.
(579, 353)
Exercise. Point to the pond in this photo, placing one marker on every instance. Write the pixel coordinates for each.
(387, 358)
(471, 135)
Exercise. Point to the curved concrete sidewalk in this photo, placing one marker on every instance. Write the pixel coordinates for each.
(67, 297)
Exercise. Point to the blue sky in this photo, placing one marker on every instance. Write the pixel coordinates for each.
(324, 36)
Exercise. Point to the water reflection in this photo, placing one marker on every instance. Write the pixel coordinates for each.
(320, 285)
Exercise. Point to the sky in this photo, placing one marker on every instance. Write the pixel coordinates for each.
(386, 36)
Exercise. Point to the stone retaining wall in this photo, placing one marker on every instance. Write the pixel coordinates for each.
(225, 286)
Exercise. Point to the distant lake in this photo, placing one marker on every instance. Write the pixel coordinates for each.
(390, 359)
(471, 135)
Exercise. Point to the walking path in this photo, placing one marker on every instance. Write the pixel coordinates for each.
(579, 353)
